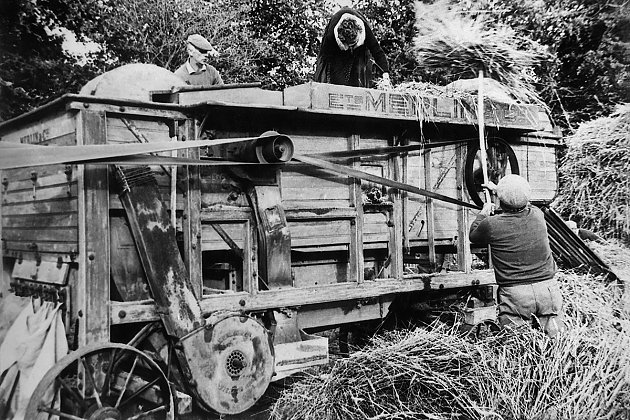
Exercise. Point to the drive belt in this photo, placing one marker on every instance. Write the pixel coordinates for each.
(344, 170)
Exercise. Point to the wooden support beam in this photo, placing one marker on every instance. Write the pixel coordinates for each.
(464, 256)
(405, 198)
(191, 222)
(356, 263)
(128, 312)
(429, 206)
(94, 257)
(395, 229)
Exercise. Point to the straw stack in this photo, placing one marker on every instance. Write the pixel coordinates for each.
(595, 176)
(440, 374)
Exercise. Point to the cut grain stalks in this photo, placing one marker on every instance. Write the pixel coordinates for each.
(438, 373)
(595, 176)
(459, 45)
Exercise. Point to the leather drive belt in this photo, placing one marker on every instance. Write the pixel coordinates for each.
(390, 150)
(344, 170)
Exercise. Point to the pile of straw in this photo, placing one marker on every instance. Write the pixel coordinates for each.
(440, 374)
(457, 46)
(595, 176)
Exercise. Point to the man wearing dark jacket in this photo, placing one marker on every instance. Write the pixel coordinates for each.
(523, 264)
(344, 56)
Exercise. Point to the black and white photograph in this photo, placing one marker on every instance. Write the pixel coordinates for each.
(315, 209)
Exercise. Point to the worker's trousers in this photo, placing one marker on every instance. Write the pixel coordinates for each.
(537, 304)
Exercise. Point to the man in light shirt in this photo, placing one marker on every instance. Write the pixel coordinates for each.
(196, 70)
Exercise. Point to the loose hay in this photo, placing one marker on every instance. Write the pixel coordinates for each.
(458, 45)
(439, 374)
(595, 176)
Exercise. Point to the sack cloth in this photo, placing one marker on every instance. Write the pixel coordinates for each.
(35, 342)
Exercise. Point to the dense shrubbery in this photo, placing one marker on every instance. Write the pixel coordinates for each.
(275, 43)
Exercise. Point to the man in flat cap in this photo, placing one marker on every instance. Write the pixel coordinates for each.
(196, 70)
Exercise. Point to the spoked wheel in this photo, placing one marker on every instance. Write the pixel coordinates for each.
(103, 382)
(501, 161)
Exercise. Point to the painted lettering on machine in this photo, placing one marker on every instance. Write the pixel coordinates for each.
(36, 137)
(438, 109)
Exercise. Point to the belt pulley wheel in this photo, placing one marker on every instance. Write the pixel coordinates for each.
(500, 160)
(239, 363)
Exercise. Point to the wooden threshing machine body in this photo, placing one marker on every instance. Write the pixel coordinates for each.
(352, 247)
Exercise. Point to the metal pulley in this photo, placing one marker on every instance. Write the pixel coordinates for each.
(235, 354)
(269, 147)
(272, 147)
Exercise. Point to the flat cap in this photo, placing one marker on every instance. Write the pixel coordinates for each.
(200, 42)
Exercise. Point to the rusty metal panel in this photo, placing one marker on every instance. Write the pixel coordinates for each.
(154, 236)
(567, 246)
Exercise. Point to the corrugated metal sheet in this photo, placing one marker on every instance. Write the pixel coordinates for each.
(570, 249)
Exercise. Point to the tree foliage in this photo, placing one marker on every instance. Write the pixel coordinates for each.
(276, 42)
(393, 24)
(154, 31)
(590, 41)
(33, 65)
(293, 29)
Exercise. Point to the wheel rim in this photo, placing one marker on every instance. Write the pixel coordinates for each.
(103, 382)
(501, 160)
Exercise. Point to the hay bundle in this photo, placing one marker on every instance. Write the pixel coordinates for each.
(458, 46)
(595, 176)
(405, 374)
(439, 374)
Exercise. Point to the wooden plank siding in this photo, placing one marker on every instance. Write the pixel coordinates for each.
(538, 166)
(58, 128)
(154, 129)
(319, 233)
(40, 204)
(443, 180)
(307, 187)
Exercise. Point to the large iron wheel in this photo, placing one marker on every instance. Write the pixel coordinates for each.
(102, 382)
(501, 161)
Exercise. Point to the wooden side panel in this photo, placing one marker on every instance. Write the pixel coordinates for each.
(40, 204)
(376, 218)
(58, 129)
(319, 233)
(150, 130)
(320, 274)
(307, 187)
(217, 189)
(154, 130)
(375, 227)
(211, 241)
(443, 180)
(538, 166)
